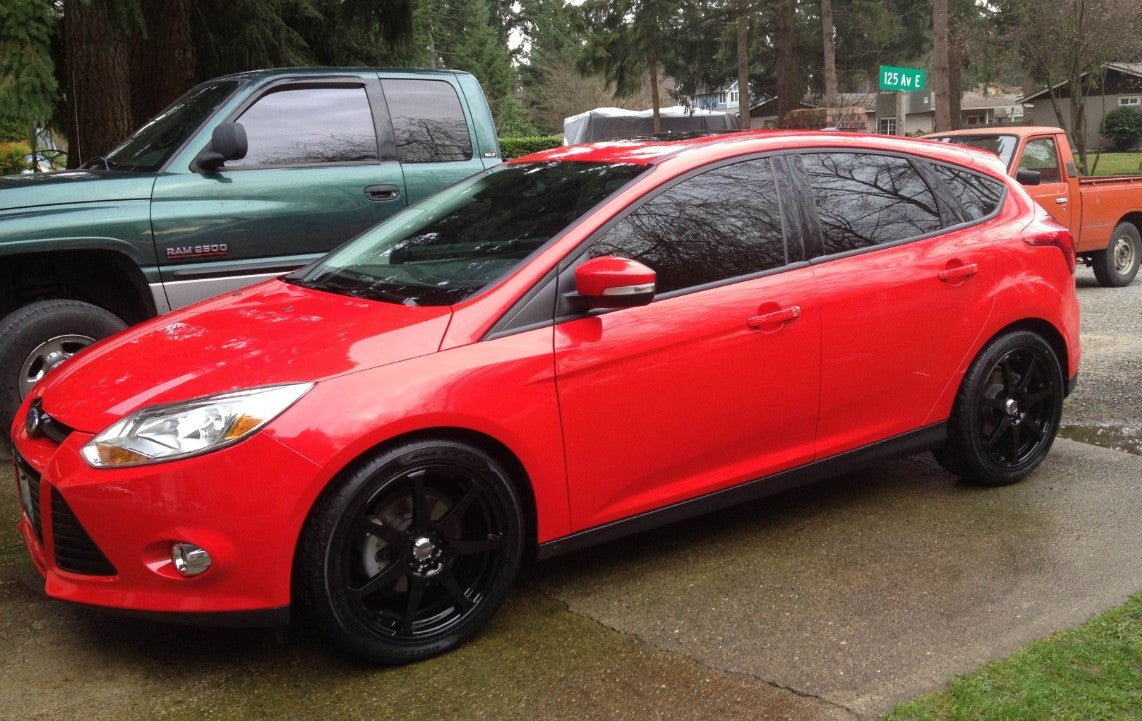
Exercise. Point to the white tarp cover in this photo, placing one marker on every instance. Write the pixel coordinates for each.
(616, 123)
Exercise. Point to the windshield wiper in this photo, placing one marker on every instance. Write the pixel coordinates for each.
(98, 160)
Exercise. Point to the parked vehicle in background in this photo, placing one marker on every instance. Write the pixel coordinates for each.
(1103, 213)
(244, 178)
(570, 347)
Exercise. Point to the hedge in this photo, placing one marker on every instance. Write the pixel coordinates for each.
(515, 147)
(12, 156)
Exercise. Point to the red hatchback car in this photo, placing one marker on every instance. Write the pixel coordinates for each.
(570, 347)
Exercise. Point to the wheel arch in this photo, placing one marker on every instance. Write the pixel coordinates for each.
(1043, 328)
(107, 278)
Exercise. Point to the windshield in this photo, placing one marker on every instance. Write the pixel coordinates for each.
(453, 244)
(1001, 145)
(152, 144)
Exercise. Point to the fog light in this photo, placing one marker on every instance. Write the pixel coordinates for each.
(189, 559)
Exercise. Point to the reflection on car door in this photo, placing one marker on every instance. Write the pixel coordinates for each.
(303, 188)
(712, 384)
(901, 301)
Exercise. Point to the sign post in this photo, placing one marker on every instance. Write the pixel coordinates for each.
(900, 81)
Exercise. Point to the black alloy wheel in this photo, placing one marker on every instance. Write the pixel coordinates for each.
(412, 552)
(1007, 411)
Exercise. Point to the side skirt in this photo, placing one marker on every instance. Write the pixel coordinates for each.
(905, 444)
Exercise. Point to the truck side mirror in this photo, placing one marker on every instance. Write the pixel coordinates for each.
(227, 142)
(1028, 177)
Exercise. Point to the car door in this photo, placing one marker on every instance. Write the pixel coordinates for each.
(1041, 154)
(432, 131)
(315, 176)
(714, 382)
(904, 290)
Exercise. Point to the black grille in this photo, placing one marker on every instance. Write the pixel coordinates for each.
(55, 430)
(29, 482)
(74, 549)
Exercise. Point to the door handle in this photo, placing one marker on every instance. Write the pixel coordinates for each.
(778, 316)
(1061, 201)
(961, 271)
(382, 192)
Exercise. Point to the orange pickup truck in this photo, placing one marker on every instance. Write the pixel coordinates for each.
(1103, 214)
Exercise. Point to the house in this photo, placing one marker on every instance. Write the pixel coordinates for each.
(991, 105)
(724, 99)
(1119, 87)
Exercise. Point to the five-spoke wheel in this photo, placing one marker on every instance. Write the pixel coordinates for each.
(1007, 411)
(411, 553)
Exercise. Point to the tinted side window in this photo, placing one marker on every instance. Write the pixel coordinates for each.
(721, 224)
(301, 126)
(978, 196)
(1040, 154)
(864, 199)
(427, 120)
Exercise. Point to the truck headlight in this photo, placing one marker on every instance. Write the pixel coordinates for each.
(190, 428)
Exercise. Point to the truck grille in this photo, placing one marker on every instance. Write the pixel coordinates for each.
(74, 549)
(29, 484)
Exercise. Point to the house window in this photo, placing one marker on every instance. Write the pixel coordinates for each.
(1132, 101)
(888, 126)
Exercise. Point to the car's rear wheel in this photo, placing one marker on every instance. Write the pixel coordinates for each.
(1116, 266)
(410, 553)
(1007, 411)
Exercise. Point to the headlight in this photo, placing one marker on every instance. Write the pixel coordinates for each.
(179, 430)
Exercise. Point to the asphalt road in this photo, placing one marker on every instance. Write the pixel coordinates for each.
(830, 602)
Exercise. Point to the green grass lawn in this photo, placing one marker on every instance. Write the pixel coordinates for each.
(1116, 163)
(1090, 673)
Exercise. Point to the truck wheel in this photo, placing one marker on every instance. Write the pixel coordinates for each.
(1116, 266)
(36, 338)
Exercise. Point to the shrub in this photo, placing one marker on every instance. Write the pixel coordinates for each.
(515, 147)
(12, 158)
(1123, 128)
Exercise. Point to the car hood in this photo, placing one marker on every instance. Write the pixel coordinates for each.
(265, 335)
(72, 186)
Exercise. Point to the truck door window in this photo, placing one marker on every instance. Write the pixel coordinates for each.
(428, 121)
(1040, 154)
(309, 125)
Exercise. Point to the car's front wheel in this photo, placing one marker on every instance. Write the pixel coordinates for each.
(1007, 411)
(38, 337)
(409, 554)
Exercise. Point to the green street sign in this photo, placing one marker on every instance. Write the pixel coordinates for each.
(901, 79)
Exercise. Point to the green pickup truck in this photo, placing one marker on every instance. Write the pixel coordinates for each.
(244, 178)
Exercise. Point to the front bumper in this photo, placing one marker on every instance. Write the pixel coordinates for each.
(244, 504)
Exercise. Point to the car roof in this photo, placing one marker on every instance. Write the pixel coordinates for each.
(698, 150)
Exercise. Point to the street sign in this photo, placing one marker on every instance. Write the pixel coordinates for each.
(901, 79)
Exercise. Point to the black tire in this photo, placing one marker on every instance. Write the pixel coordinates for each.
(37, 337)
(1007, 411)
(408, 555)
(1116, 266)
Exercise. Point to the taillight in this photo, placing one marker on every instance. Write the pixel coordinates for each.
(1061, 238)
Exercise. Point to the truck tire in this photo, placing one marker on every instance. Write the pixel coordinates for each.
(1116, 266)
(39, 336)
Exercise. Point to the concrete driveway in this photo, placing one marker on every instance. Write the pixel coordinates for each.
(830, 602)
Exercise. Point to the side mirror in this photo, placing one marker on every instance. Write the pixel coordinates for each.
(227, 142)
(1028, 177)
(613, 282)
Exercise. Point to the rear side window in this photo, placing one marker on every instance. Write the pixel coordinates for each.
(864, 199)
(428, 121)
(720, 224)
(978, 196)
(309, 125)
